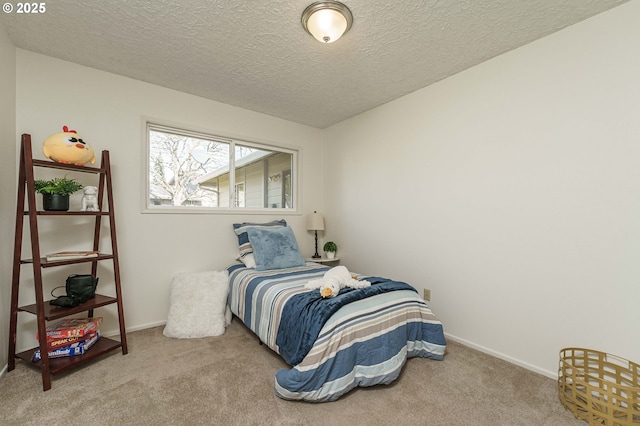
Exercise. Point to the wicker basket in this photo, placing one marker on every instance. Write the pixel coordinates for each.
(600, 388)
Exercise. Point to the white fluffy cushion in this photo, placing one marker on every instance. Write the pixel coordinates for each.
(198, 304)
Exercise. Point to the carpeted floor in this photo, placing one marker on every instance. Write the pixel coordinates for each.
(229, 380)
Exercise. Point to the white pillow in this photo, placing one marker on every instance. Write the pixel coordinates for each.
(248, 260)
(198, 303)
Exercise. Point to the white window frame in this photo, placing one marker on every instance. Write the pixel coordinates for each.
(156, 125)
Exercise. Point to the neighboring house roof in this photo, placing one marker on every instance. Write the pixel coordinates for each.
(241, 162)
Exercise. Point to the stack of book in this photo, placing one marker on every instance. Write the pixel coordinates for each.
(70, 337)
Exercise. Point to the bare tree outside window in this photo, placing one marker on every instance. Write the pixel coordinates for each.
(176, 162)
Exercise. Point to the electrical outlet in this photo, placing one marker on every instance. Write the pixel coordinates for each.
(426, 294)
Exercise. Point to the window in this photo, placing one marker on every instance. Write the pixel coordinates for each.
(196, 171)
(239, 195)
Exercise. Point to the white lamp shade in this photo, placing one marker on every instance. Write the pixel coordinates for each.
(315, 222)
(327, 25)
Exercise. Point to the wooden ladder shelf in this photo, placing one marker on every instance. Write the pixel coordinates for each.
(42, 309)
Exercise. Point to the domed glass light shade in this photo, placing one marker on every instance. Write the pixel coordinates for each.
(327, 21)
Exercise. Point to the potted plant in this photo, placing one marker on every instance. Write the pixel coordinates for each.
(330, 249)
(55, 192)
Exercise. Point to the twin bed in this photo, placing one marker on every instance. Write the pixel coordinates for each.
(361, 337)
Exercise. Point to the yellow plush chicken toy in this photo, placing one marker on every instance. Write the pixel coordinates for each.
(69, 148)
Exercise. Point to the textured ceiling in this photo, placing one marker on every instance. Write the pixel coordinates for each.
(256, 55)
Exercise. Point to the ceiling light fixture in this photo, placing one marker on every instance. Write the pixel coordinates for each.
(327, 21)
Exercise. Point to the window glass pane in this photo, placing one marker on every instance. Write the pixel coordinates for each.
(177, 162)
(286, 190)
(194, 170)
(240, 194)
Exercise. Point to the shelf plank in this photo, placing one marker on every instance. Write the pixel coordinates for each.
(52, 312)
(59, 365)
(67, 213)
(62, 166)
(48, 263)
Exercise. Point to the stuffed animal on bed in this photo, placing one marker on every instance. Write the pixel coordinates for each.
(68, 147)
(334, 280)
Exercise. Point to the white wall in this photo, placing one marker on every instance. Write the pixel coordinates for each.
(512, 191)
(107, 110)
(8, 179)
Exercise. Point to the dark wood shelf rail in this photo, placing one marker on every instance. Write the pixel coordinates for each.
(41, 308)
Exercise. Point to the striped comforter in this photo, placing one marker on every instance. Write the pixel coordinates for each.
(363, 344)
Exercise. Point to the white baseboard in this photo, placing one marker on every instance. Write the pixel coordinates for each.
(109, 333)
(116, 332)
(550, 374)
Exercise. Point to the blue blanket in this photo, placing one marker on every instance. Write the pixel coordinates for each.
(304, 315)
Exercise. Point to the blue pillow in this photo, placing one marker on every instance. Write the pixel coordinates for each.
(275, 248)
(243, 239)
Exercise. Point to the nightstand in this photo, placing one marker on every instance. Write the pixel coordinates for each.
(322, 260)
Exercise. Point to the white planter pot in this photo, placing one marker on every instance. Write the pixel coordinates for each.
(330, 254)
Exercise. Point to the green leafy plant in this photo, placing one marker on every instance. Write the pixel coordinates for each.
(62, 186)
(330, 247)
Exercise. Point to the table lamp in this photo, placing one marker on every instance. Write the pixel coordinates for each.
(315, 222)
